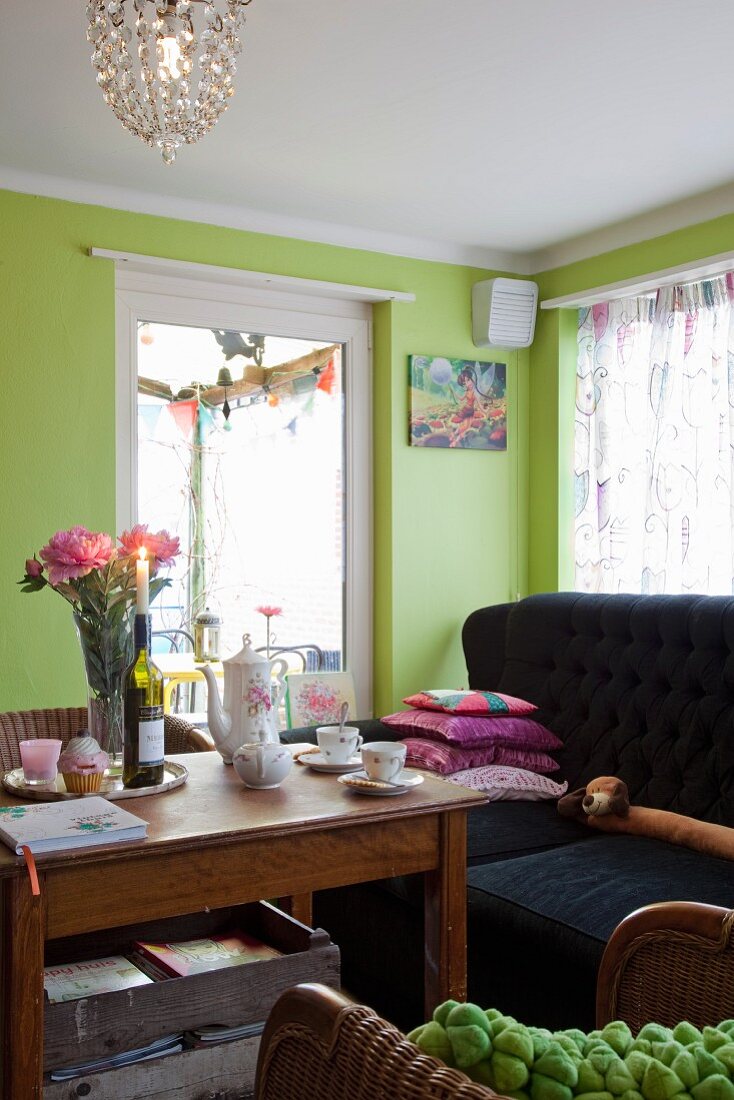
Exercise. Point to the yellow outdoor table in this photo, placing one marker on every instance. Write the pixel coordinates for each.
(180, 668)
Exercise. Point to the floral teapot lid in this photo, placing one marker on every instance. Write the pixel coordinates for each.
(247, 655)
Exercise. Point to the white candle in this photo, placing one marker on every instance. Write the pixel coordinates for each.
(141, 581)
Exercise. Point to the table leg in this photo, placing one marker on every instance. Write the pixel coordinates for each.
(445, 915)
(24, 925)
(298, 906)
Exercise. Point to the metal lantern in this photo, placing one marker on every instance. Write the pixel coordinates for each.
(207, 629)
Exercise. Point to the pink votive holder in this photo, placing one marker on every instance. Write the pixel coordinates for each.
(39, 758)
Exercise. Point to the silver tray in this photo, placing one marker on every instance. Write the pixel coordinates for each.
(174, 775)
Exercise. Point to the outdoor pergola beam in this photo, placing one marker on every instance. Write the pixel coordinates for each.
(151, 387)
(254, 378)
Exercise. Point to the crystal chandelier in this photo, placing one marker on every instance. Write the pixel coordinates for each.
(157, 95)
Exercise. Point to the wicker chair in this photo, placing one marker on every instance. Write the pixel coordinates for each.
(319, 1046)
(664, 963)
(668, 962)
(65, 722)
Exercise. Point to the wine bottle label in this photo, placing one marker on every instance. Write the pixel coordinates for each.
(150, 735)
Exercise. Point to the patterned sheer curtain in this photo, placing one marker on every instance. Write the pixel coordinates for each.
(654, 442)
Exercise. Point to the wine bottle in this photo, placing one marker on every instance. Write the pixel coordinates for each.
(142, 760)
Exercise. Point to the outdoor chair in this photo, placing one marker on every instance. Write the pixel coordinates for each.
(311, 656)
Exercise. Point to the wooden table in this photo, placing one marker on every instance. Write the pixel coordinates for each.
(214, 843)
(180, 668)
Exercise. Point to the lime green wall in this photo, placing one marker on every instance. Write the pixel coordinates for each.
(450, 528)
(552, 385)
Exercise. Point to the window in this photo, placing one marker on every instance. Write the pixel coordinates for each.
(265, 480)
(654, 442)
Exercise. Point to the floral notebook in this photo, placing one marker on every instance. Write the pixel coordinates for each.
(73, 823)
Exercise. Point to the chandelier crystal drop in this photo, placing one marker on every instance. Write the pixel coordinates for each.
(167, 75)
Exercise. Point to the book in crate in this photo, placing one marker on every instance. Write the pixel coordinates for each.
(71, 981)
(181, 959)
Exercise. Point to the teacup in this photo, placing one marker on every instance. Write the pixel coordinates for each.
(337, 745)
(384, 760)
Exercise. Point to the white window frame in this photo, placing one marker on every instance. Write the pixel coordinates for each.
(175, 300)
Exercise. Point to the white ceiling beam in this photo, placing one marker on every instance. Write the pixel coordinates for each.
(234, 276)
(632, 288)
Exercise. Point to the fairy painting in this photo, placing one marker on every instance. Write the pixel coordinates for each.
(457, 403)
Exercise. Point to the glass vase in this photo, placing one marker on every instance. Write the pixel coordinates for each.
(107, 649)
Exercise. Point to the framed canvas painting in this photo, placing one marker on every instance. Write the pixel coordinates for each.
(458, 403)
(315, 698)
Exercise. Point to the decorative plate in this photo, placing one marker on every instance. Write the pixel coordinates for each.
(174, 775)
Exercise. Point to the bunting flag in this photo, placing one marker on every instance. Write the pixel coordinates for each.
(327, 378)
(291, 425)
(184, 413)
(148, 417)
(206, 421)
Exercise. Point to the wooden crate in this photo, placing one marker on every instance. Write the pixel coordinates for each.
(107, 1024)
(224, 1072)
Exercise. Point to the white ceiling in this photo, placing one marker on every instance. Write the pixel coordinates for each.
(457, 129)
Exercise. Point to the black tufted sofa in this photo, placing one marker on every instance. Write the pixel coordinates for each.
(636, 686)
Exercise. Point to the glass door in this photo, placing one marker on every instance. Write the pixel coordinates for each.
(241, 452)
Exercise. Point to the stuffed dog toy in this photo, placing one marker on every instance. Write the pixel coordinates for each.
(605, 795)
(604, 805)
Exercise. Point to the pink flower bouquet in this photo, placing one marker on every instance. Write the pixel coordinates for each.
(98, 580)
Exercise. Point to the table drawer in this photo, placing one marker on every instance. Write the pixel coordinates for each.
(106, 1024)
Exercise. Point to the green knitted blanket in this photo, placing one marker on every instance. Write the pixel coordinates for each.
(530, 1063)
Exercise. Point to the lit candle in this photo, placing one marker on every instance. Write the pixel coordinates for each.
(141, 581)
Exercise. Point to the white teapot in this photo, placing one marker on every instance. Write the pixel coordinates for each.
(249, 705)
(264, 765)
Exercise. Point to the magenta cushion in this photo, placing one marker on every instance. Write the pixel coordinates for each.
(461, 729)
(502, 784)
(470, 702)
(445, 759)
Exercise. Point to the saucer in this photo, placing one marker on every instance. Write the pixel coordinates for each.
(361, 783)
(318, 763)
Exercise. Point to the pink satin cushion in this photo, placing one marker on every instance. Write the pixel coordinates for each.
(461, 729)
(445, 759)
(504, 784)
(470, 702)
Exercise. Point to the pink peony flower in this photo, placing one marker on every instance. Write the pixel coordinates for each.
(269, 611)
(75, 553)
(33, 567)
(160, 545)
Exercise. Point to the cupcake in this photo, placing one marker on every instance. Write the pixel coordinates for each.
(82, 764)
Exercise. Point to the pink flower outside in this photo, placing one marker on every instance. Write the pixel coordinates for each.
(160, 545)
(33, 567)
(269, 610)
(75, 553)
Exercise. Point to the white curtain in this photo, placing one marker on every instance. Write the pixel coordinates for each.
(654, 456)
